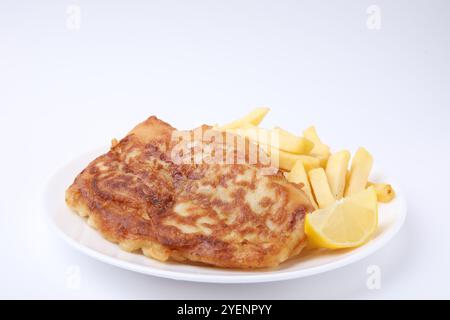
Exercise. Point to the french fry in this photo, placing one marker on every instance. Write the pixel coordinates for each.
(267, 140)
(385, 192)
(321, 188)
(336, 171)
(359, 172)
(298, 175)
(292, 143)
(277, 138)
(247, 126)
(287, 160)
(320, 150)
(254, 117)
(311, 134)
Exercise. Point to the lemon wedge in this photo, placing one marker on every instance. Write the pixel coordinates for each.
(345, 224)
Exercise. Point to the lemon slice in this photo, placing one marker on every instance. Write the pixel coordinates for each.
(346, 224)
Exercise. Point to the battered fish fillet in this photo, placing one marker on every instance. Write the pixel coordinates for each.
(225, 215)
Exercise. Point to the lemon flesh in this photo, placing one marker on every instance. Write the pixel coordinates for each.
(345, 224)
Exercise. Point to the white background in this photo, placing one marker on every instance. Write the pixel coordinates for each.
(64, 92)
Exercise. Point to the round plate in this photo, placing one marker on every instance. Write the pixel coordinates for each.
(76, 232)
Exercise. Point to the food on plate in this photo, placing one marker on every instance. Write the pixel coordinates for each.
(320, 150)
(209, 196)
(321, 188)
(287, 160)
(254, 118)
(299, 175)
(385, 192)
(359, 172)
(292, 143)
(336, 171)
(278, 138)
(225, 215)
(344, 225)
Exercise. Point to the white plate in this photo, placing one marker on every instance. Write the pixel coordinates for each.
(76, 232)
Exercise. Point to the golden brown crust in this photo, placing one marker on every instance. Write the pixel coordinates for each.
(226, 215)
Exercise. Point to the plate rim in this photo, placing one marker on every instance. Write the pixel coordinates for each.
(210, 278)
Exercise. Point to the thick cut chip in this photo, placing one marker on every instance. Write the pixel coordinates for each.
(321, 188)
(337, 171)
(254, 118)
(299, 175)
(359, 172)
